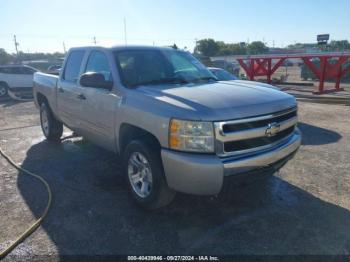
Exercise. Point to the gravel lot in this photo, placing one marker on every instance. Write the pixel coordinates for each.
(303, 209)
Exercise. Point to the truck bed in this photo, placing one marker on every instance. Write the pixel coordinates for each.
(46, 85)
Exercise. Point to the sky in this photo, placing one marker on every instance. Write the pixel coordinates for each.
(43, 26)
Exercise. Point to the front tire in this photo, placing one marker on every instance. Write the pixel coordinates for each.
(3, 90)
(145, 175)
(51, 128)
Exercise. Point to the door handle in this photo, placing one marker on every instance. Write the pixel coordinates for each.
(61, 90)
(81, 96)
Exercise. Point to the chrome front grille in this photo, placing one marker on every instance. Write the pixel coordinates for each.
(256, 133)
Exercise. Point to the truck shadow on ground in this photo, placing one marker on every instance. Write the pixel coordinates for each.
(314, 135)
(92, 213)
(8, 101)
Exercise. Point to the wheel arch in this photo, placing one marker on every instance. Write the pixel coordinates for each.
(40, 98)
(5, 88)
(129, 132)
(4, 83)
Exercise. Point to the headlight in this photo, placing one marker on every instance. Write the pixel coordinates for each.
(191, 136)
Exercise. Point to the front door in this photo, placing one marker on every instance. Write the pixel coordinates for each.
(100, 106)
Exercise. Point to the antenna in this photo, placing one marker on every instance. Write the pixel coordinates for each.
(125, 36)
(64, 48)
(16, 43)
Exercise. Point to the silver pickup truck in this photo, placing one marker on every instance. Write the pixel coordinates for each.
(174, 125)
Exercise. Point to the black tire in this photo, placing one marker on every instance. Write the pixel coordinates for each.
(3, 89)
(160, 194)
(54, 129)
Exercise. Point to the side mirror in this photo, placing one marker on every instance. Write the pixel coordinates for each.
(96, 80)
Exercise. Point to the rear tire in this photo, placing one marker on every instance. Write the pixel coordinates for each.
(142, 163)
(3, 90)
(51, 128)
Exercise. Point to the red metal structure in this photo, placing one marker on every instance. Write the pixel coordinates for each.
(331, 66)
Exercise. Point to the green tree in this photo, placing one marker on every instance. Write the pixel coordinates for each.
(207, 47)
(4, 57)
(39, 56)
(257, 47)
(233, 49)
(296, 46)
(174, 46)
(341, 45)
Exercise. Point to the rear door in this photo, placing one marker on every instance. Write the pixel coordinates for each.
(98, 112)
(69, 102)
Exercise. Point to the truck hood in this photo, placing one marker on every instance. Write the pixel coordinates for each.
(222, 100)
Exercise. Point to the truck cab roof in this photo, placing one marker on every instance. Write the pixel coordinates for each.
(122, 47)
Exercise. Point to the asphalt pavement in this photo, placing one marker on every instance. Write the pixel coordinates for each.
(303, 209)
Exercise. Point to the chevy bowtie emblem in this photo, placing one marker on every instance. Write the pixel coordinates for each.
(272, 129)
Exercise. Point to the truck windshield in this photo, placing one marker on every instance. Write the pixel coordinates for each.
(152, 67)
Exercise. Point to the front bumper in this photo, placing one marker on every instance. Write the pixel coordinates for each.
(201, 174)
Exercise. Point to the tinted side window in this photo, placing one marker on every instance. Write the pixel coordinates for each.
(72, 68)
(10, 70)
(28, 71)
(6, 70)
(15, 70)
(98, 63)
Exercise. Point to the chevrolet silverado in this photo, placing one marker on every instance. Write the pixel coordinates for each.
(174, 125)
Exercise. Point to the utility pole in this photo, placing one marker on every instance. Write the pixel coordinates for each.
(16, 44)
(195, 45)
(64, 48)
(248, 49)
(94, 40)
(125, 36)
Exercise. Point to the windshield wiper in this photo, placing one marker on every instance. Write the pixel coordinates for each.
(170, 80)
(205, 78)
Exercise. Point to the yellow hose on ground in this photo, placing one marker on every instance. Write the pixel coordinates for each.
(37, 223)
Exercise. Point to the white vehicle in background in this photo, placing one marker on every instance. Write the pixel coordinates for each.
(54, 69)
(232, 67)
(222, 74)
(17, 80)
